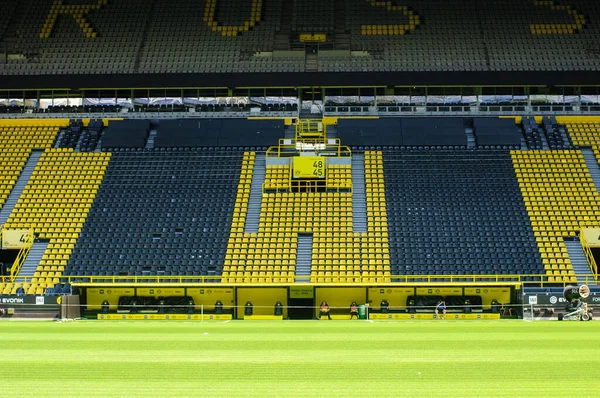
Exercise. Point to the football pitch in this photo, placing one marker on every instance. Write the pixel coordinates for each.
(300, 358)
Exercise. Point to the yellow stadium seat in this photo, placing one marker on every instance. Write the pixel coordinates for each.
(326, 216)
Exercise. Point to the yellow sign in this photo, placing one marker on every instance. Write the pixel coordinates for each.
(95, 297)
(395, 296)
(313, 38)
(161, 292)
(431, 316)
(309, 167)
(14, 238)
(164, 317)
(439, 291)
(592, 236)
(263, 317)
(487, 294)
(301, 292)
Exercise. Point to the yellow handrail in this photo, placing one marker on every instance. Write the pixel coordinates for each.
(292, 149)
(589, 255)
(23, 252)
(387, 280)
(310, 128)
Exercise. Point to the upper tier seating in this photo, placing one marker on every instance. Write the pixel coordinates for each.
(221, 36)
(191, 45)
(436, 43)
(160, 213)
(313, 16)
(7, 8)
(560, 198)
(457, 212)
(63, 46)
(55, 204)
(538, 35)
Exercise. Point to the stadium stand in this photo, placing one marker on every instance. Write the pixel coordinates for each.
(69, 136)
(519, 35)
(313, 16)
(16, 143)
(457, 212)
(55, 204)
(429, 212)
(91, 135)
(160, 213)
(6, 10)
(496, 132)
(466, 129)
(339, 254)
(192, 46)
(556, 134)
(55, 39)
(459, 47)
(560, 198)
(185, 36)
(585, 133)
(532, 133)
(126, 134)
(185, 213)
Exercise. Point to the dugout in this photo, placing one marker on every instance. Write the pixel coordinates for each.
(301, 301)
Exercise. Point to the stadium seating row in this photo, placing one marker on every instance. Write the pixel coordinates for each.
(560, 198)
(55, 204)
(456, 212)
(185, 213)
(159, 213)
(339, 254)
(187, 36)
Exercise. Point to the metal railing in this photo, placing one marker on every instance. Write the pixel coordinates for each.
(589, 256)
(23, 252)
(311, 130)
(458, 110)
(387, 280)
(294, 148)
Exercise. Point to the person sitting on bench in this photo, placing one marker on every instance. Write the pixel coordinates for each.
(324, 310)
(441, 307)
(353, 310)
(384, 306)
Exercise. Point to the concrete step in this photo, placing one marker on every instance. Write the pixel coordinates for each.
(255, 200)
(151, 137)
(304, 257)
(471, 142)
(359, 201)
(32, 260)
(578, 260)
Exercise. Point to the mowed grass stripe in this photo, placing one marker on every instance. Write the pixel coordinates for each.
(301, 358)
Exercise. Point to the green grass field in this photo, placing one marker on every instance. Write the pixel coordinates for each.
(300, 358)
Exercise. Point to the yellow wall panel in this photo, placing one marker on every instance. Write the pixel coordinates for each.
(263, 300)
(395, 296)
(340, 298)
(209, 296)
(95, 297)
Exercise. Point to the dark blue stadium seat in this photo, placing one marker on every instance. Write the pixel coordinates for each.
(160, 211)
(457, 212)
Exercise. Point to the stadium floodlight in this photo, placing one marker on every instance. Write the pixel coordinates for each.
(577, 309)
